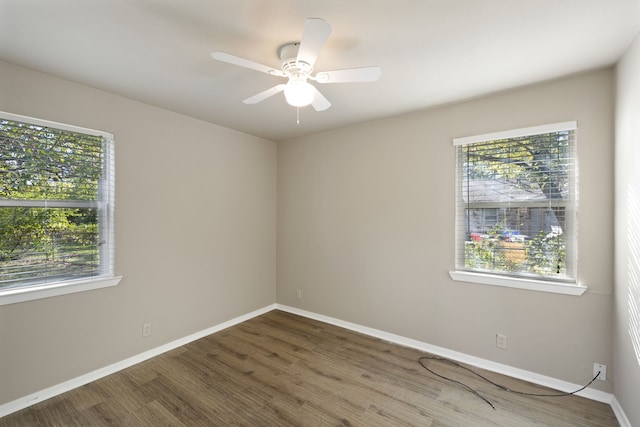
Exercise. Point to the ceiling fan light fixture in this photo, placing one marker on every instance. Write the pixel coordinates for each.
(299, 93)
(296, 62)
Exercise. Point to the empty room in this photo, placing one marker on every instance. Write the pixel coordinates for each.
(309, 213)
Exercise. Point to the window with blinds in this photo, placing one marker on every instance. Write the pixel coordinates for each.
(56, 202)
(516, 203)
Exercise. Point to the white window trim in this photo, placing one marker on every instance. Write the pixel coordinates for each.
(518, 283)
(56, 125)
(28, 293)
(565, 288)
(47, 290)
(515, 133)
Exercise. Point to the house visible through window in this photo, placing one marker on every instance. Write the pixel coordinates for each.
(56, 203)
(516, 203)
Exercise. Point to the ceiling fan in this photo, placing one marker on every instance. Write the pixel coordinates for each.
(297, 61)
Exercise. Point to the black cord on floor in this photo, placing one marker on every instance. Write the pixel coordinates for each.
(500, 386)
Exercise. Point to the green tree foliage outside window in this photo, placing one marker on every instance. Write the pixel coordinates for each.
(51, 197)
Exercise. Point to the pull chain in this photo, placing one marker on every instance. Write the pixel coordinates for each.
(298, 115)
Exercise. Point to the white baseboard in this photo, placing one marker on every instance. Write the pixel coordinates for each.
(532, 377)
(32, 399)
(620, 415)
(26, 401)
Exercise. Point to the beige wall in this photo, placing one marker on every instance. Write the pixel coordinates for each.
(195, 236)
(626, 373)
(366, 227)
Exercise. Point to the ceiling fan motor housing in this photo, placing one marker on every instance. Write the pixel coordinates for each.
(291, 67)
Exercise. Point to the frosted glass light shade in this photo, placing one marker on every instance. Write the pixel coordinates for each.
(298, 93)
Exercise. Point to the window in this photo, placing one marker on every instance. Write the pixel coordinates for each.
(56, 206)
(516, 208)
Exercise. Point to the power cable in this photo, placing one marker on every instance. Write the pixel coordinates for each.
(500, 386)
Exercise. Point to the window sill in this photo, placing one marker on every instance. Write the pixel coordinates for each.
(15, 295)
(518, 283)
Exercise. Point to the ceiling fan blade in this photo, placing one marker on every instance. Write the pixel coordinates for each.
(265, 94)
(236, 60)
(365, 74)
(320, 103)
(316, 33)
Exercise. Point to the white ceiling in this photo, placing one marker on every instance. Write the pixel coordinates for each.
(431, 51)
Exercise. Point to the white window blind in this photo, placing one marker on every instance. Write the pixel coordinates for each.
(516, 203)
(56, 202)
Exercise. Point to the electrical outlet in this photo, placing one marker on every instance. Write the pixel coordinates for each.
(597, 367)
(146, 329)
(501, 341)
(298, 294)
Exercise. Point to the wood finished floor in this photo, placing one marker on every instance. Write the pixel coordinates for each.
(280, 369)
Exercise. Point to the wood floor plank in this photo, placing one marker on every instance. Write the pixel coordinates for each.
(279, 369)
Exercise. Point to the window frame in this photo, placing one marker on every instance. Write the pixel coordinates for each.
(105, 205)
(529, 282)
